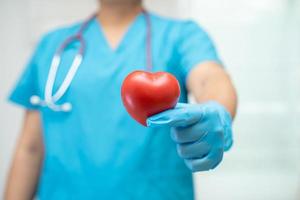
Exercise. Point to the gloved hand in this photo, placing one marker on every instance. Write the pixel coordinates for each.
(202, 132)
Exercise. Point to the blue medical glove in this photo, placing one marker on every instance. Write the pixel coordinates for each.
(202, 132)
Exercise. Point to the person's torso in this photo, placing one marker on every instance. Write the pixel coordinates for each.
(97, 151)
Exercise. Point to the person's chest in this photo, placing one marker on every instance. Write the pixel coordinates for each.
(103, 70)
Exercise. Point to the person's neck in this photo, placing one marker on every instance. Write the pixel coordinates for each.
(118, 14)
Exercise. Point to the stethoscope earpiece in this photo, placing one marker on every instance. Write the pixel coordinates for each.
(66, 107)
(35, 100)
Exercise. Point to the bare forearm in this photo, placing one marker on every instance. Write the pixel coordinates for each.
(211, 82)
(25, 169)
(24, 175)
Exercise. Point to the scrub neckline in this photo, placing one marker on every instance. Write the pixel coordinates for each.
(124, 38)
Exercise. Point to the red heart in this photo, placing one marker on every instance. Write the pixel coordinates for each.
(145, 94)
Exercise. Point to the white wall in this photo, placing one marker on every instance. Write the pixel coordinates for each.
(260, 45)
(259, 41)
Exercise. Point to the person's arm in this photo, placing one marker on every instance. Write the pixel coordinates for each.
(210, 82)
(25, 170)
(203, 131)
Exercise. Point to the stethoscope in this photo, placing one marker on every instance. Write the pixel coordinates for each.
(50, 99)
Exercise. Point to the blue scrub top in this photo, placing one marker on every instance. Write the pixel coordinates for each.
(97, 151)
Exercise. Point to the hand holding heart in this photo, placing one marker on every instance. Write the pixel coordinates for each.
(202, 131)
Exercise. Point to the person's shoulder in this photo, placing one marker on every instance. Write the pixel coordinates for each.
(61, 32)
(176, 28)
(174, 24)
(49, 41)
(171, 20)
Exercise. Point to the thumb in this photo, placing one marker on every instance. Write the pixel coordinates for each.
(180, 116)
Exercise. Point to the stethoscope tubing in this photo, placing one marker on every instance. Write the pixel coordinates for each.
(50, 99)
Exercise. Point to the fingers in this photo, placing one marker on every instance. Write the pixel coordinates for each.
(180, 116)
(194, 132)
(228, 142)
(209, 162)
(194, 150)
(189, 134)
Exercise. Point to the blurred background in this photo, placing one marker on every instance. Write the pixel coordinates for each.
(259, 42)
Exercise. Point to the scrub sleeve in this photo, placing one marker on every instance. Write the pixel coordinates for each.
(194, 47)
(27, 84)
